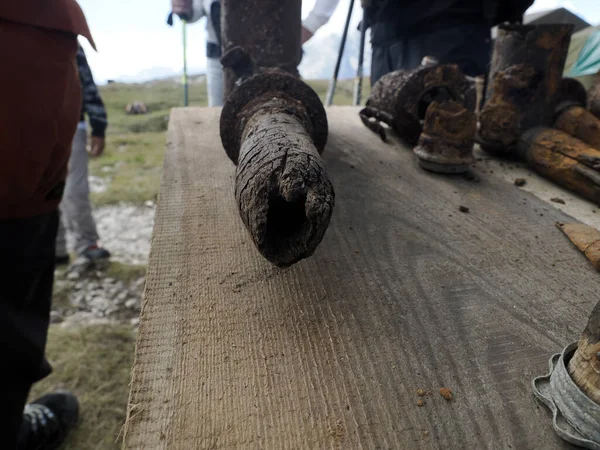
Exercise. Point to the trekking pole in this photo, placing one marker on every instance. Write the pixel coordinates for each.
(333, 81)
(361, 56)
(185, 75)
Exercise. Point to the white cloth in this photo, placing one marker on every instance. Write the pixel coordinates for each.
(75, 208)
(214, 82)
(201, 8)
(320, 14)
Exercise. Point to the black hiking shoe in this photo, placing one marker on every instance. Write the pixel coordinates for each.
(48, 420)
(95, 253)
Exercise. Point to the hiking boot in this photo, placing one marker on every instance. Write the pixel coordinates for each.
(48, 420)
(95, 253)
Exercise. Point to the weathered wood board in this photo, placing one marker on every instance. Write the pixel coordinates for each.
(404, 293)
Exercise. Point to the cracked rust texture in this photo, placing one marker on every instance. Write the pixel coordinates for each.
(273, 127)
(584, 367)
(405, 95)
(564, 159)
(525, 80)
(448, 135)
(268, 30)
(580, 123)
(283, 192)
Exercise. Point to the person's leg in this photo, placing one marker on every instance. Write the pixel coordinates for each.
(26, 274)
(62, 253)
(214, 81)
(468, 46)
(75, 205)
(380, 62)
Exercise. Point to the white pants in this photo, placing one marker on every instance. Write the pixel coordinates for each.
(75, 208)
(214, 81)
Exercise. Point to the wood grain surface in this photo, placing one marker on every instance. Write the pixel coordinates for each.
(404, 293)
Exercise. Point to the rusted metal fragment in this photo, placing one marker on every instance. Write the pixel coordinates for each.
(273, 127)
(585, 238)
(446, 144)
(580, 123)
(401, 98)
(584, 366)
(524, 82)
(571, 93)
(564, 159)
(267, 30)
(594, 96)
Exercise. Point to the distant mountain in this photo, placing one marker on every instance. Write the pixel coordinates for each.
(158, 73)
(321, 52)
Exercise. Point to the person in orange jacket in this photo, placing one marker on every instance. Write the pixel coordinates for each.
(39, 110)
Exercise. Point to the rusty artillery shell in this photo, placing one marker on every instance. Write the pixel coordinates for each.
(273, 127)
(401, 98)
(594, 96)
(267, 30)
(580, 123)
(446, 144)
(571, 93)
(563, 159)
(524, 80)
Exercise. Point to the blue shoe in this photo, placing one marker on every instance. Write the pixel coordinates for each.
(95, 253)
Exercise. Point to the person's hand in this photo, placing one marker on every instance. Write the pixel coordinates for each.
(306, 35)
(97, 146)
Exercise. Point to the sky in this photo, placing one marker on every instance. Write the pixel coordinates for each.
(134, 41)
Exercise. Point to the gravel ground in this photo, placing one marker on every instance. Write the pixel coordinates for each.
(87, 294)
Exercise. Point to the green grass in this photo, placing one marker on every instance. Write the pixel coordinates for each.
(94, 362)
(132, 161)
(125, 272)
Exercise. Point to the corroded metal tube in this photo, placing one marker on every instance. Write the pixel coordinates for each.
(524, 80)
(267, 30)
(580, 123)
(401, 98)
(564, 159)
(274, 127)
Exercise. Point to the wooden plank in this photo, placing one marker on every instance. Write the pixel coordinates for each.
(405, 292)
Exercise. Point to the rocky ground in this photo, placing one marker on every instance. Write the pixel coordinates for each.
(111, 292)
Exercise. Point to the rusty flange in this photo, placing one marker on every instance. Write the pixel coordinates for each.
(400, 99)
(271, 83)
(446, 144)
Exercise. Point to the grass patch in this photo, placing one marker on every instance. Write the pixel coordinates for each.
(133, 163)
(60, 295)
(94, 362)
(125, 272)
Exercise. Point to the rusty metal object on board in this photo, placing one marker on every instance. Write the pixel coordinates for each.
(273, 127)
(267, 30)
(446, 144)
(563, 159)
(594, 96)
(400, 99)
(571, 93)
(580, 123)
(523, 83)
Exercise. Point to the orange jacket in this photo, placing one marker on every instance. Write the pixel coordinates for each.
(41, 102)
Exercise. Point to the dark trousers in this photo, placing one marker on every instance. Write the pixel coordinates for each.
(26, 278)
(467, 46)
